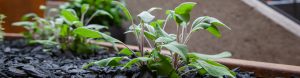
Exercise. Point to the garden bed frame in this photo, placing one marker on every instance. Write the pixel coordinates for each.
(261, 69)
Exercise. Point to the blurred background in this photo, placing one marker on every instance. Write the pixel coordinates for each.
(254, 35)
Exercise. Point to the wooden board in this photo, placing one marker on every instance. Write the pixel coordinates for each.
(15, 9)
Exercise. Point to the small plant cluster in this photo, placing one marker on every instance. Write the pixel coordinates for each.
(151, 30)
(115, 17)
(59, 30)
(1, 28)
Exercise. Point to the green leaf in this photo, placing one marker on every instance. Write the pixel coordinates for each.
(23, 23)
(96, 27)
(146, 16)
(135, 60)
(84, 8)
(215, 69)
(64, 29)
(126, 51)
(214, 30)
(149, 28)
(185, 8)
(163, 67)
(153, 9)
(180, 49)
(200, 26)
(69, 15)
(77, 23)
(149, 35)
(85, 32)
(216, 56)
(182, 13)
(112, 61)
(110, 39)
(165, 40)
(157, 22)
(208, 23)
(124, 9)
(44, 42)
(102, 12)
(28, 16)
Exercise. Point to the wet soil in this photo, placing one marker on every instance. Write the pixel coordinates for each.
(20, 60)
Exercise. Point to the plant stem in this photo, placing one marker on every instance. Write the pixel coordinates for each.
(82, 18)
(166, 21)
(89, 20)
(148, 42)
(188, 36)
(182, 35)
(175, 55)
(142, 39)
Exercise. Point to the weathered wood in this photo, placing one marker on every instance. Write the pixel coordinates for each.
(15, 9)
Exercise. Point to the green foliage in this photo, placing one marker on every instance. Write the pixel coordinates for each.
(1, 28)
(112, 61)
(103, 12)
(65, 31)
(151, 30)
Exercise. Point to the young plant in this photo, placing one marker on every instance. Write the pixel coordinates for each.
(1, 28)
(103, 7)
(59, 30)
(173, 65)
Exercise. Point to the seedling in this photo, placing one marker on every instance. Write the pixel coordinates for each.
(1, 28)
(59, 30)
(115, 17)
(180, 57)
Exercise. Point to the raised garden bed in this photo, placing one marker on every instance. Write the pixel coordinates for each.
(20, 60)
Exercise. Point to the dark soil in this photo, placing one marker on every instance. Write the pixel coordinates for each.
(20, 60)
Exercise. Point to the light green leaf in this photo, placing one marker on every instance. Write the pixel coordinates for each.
(150, 28)
(164, 39)
(96, 27)
(153, 9)
(110, 39)
(126, 51)
(216, 56)
(215, 69)
(44, 42)
(135, 60)
(214, 30)
(64, 29)
(23, 23)
(59, 21)
(69, 15)
(124, 9)
(180, 49)
(182, 13)
(164, 67)
(200, 26)
(27, 17)
(146, 16)
(84, 8)
(102, 12)
(149, 35)
(157, 22)
(112, 61)
(185, 8)
(85, 32)
(77, 23)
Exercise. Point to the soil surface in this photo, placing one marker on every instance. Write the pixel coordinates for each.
(20, 60)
